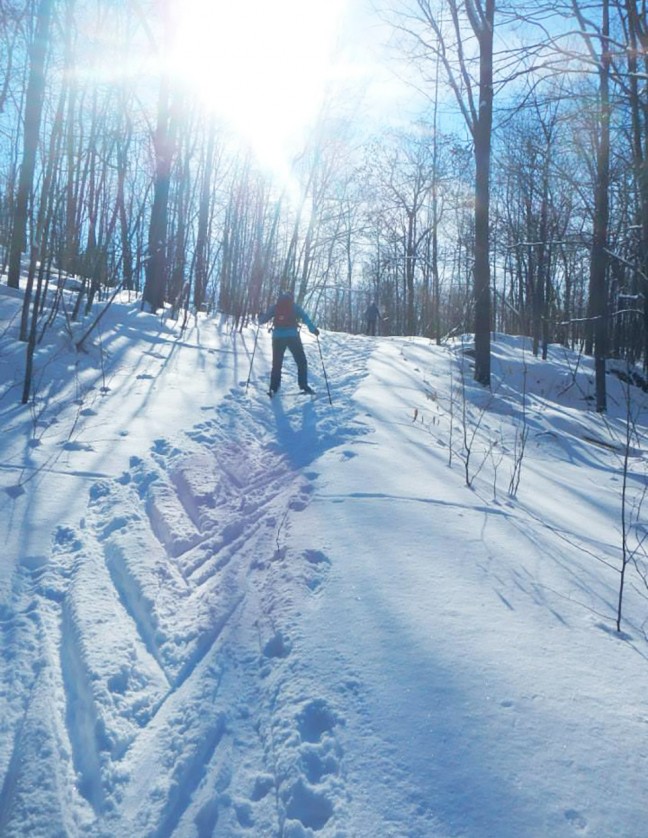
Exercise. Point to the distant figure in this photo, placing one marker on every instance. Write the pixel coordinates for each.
(371, 316)
(286, 314)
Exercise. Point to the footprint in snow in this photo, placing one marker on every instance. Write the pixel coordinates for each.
(299, 503)
(318, 564)
(77, 446)
(315, 720)
(317, 766)
(277, 647)
(263, 785)
(67, 538)
(576, 819)
(312, 809)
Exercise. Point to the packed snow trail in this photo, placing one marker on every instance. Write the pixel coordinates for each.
(162, 698)
(286, 619)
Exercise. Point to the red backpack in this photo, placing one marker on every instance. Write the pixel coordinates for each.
(285, 315)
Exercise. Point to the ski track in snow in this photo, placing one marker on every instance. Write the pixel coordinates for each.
(163, 674)
(202, 614)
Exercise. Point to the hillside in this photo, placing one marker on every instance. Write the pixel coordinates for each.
(226, 616)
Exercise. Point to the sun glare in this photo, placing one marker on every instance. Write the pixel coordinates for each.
(263, 67)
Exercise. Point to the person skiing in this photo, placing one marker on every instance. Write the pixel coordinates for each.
(286, 314)
(372, 314)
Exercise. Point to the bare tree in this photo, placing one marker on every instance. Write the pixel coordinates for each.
(471, 25)
(164, 148)
(534, 212)
(32, 121)
(209, 164)
(635, 22)
(402, 173)
(597, 39)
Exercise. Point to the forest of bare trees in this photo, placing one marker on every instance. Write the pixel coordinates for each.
(517, 201)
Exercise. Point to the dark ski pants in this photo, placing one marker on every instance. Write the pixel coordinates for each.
(279, 346)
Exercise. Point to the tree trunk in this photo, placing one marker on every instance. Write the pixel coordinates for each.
(599, 258)
(204, 217)
(410, 265)
(155, 285)
(638, 32)
(156, 266)
(33, 110)
(482, 139)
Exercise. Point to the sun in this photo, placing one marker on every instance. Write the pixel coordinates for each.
(261, 66)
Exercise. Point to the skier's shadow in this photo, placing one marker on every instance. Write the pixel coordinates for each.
(297, 436)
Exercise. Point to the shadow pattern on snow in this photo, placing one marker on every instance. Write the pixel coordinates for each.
(168, 623)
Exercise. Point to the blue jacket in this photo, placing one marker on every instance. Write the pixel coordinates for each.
(288, 331)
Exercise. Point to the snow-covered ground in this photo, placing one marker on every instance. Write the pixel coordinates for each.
(226, 616)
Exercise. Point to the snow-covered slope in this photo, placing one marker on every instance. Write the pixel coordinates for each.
(229, 616)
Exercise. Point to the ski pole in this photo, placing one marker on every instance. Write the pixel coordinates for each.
(256, 338)
(328, 389)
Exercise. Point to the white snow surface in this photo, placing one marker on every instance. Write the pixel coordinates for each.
(225, 615)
